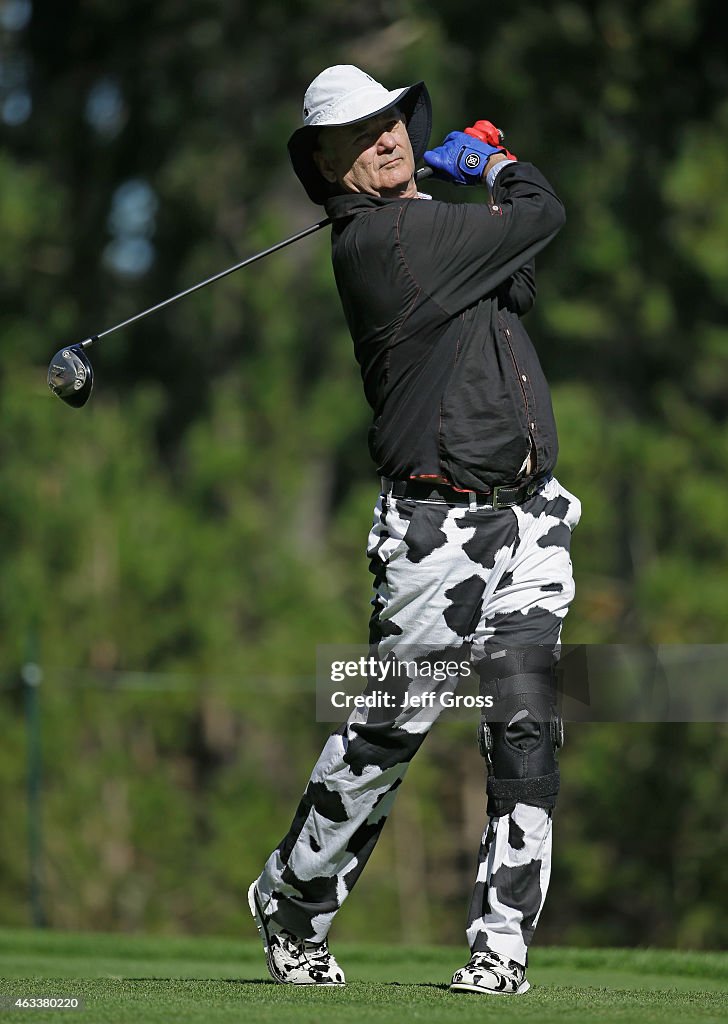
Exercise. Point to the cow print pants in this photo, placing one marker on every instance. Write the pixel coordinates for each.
(449, 580)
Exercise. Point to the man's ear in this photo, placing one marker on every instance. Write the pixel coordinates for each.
(324, 166)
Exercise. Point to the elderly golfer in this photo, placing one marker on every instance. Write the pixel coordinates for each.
(470, 542)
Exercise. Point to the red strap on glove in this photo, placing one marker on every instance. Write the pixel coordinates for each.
(486, 131)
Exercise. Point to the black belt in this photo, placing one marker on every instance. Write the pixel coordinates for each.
(497, 497)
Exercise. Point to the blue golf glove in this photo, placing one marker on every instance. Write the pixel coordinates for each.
(461, 158)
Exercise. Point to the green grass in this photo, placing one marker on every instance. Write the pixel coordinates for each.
(158, 979)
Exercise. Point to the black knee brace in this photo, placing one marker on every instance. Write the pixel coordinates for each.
(521, 728)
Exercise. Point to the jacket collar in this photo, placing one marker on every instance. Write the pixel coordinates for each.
(349, 203)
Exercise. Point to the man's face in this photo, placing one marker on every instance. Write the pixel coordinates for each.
(372, 156)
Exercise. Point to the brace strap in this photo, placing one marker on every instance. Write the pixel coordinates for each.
(519, 684)
(519, 789)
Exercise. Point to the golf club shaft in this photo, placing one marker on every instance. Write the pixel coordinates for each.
(424, 172)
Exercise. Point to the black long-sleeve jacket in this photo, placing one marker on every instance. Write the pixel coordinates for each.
(432, 293)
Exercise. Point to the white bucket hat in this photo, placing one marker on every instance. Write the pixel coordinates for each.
(344, 95)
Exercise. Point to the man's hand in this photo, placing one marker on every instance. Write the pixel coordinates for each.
(486, 131)
(461, 158)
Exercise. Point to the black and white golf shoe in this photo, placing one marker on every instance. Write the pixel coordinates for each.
(490, 974)
(293, 961)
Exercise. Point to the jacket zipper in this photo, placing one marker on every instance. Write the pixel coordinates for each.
(532, 443)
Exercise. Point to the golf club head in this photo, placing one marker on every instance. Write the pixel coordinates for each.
(70, 376)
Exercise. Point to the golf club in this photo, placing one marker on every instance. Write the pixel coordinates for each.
(70, 374)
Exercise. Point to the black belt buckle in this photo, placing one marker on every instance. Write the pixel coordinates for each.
(494, 497)
(518, 494)
(506, 503)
